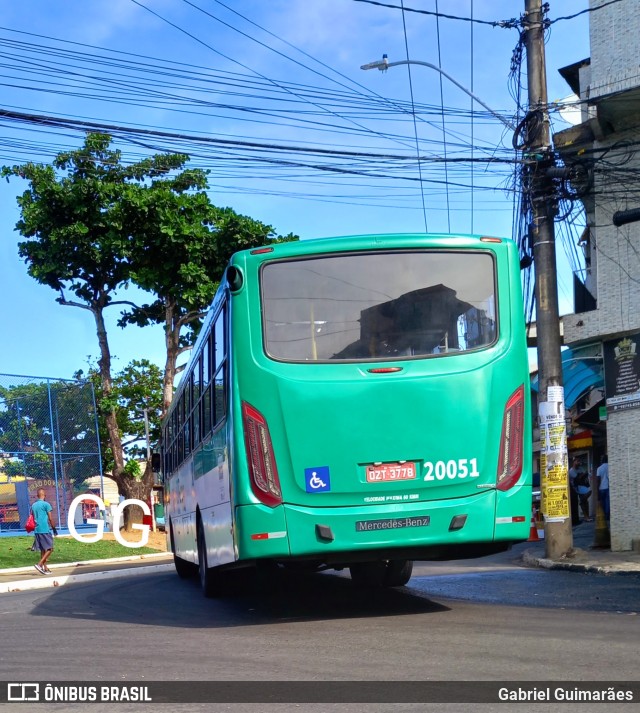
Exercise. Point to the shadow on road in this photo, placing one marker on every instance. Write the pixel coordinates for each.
(166, 600)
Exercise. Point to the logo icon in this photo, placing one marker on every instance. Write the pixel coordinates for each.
(317, 480)
(23, 692)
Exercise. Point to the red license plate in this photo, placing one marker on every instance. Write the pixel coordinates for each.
(391, 472)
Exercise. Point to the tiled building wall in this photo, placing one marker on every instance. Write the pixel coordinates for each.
(615, 50)
(615, 251)
(623, 444)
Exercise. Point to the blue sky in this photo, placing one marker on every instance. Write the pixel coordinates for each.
(288, 73)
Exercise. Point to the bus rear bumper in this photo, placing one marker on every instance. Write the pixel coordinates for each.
(446, 529)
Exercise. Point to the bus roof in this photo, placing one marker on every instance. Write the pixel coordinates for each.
(359, 242)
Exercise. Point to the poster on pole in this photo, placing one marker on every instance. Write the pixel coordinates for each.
(554, 462)
(622, 373)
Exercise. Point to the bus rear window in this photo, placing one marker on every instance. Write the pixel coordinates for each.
(390, 305)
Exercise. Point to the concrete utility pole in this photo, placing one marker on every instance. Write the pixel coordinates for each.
(538, 154)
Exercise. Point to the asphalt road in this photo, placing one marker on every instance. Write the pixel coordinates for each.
(453, 622)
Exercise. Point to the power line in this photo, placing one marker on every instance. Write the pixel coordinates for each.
(444, 133)
(44, 120)
(415, 127)
(102, 75)
(471, 52)
(208, 46)
(582, 12)
(392, 104)
(496, 23)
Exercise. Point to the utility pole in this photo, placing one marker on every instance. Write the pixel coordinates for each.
(539, 158)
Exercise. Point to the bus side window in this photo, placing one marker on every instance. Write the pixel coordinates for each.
(220, 369)
(207, 354)
(186, 429)
(206, 412)
(197, 393)
(220, 346)
(180, 447)
(220, 400)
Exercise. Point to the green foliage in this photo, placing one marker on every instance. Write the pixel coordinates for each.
(133, 469)
(79, 220)
(186, 246)
(93, 226)
(77, 238)
(136, 388)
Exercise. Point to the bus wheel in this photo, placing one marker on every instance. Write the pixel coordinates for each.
(398, 573)
(184, 568)
(209, 578)
(369, 575)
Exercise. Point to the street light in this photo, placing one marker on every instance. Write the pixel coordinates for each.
(384, 64)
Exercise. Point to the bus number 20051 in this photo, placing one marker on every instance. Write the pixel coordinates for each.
(451, 469)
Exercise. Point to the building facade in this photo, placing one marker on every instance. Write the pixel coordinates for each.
(604, 154)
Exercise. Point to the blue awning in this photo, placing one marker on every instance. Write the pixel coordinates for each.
(580, 374)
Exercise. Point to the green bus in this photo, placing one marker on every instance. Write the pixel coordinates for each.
(357, 402)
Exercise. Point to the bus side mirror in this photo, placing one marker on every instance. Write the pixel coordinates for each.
(156, 463)
(235, 279)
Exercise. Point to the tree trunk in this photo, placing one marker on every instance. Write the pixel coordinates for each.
(134, 489)
(128, 486)
(172, 340)
(104, 365)
(174, 321)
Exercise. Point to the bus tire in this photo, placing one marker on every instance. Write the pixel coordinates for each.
(210, 579)
(398, 573)
(368, 575)
(184, 568)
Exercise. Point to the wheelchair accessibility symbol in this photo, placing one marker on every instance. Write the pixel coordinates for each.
(317, 480)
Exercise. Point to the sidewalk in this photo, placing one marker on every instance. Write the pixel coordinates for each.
(585, 558)
(20, 579)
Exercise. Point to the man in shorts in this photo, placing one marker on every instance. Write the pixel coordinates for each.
(44, 531)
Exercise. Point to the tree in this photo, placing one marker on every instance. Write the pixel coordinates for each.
(78, 242)
(136, 394)
(94, 226)
(185, 244)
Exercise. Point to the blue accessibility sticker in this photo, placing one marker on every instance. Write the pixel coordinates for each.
(317, 480)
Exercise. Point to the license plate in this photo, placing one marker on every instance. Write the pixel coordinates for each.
(391, 472)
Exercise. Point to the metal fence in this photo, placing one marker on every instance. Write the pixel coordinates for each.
(48, 439)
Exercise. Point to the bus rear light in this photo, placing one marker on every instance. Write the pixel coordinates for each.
(263, 472)
(511, 441)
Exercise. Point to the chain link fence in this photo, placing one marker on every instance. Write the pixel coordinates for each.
(48, 439)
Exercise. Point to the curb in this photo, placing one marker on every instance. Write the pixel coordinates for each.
(83, 563)
(62, 580)
(530, 559)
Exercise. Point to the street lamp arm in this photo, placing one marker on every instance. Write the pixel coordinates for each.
(384, 64)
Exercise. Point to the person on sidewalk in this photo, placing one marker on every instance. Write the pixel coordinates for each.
(44, 531)
(603, 485)
(583, 488)
(573, 493)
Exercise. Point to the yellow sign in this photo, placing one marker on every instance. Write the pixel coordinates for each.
(556, 475)
(557, 502)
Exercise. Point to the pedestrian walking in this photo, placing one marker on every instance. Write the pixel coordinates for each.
(44, 532)
(603, 485)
